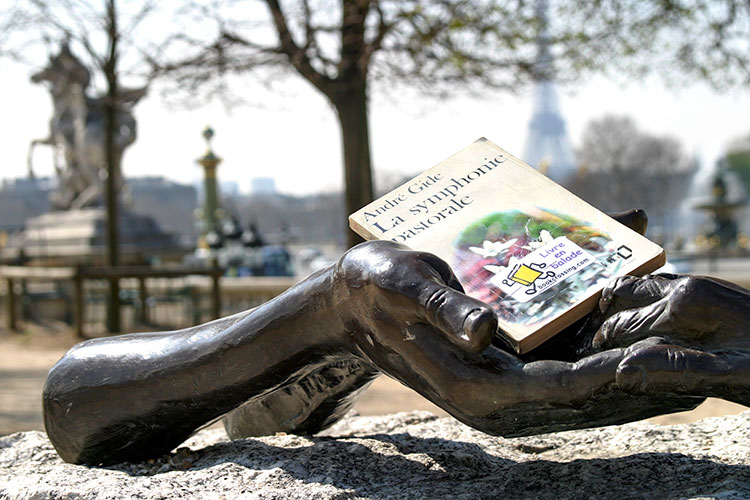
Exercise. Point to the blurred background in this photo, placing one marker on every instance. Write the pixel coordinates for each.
(164, 165)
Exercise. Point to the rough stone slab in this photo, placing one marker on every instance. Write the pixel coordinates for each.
(407, 456)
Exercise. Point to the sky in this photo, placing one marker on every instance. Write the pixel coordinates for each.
(294, 137)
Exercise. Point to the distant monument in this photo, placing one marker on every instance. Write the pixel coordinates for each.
(723, 233)
(547, 146)
(210, 211)
(77, 131)
(75, 231)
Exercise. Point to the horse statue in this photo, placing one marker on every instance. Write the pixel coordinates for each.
(77, 132)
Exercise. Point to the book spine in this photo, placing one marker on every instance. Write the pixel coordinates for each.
(361, 230)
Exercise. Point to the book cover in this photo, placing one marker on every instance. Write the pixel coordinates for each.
(539, 255)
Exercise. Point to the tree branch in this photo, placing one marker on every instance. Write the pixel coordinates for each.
(296, 55)
(377, 42)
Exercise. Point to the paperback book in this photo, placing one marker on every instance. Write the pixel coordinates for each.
(538, 254)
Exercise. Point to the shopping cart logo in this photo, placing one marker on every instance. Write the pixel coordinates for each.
(527, 275)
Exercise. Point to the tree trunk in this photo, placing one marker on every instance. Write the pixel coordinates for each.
(351, 107)
(110, 124)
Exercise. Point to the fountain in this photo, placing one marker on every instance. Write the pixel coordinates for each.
(723, 234)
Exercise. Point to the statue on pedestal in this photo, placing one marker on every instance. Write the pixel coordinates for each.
(74, 231)
(77, 131)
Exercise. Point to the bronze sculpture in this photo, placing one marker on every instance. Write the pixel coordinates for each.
(660, 344)
(77, 129)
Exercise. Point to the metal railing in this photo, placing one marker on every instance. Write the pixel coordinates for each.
(143, 288)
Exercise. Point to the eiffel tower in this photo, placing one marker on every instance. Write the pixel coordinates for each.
(547, 146)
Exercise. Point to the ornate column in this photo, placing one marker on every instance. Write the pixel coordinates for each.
(209, 161)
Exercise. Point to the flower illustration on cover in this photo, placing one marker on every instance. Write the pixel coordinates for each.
(533, 266)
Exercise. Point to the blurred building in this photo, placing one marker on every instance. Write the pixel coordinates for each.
(23, 198)
(312, 219)
(170, 203)
(262, 185)
(229, 188)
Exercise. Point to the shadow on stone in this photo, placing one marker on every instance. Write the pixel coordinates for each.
(379, 466)
(408, 456)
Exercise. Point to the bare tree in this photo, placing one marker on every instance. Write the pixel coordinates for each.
(333, 45)
(623, 167)
(341, 47)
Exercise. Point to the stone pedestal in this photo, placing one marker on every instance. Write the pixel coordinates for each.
(80, 236)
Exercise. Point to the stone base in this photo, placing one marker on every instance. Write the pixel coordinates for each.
(408, 456)
(80, 236)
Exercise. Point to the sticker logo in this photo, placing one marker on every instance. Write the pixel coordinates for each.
(541, 269)
(527, 275)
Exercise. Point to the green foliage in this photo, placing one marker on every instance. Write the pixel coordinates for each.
(738, 162)
(501, 226)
